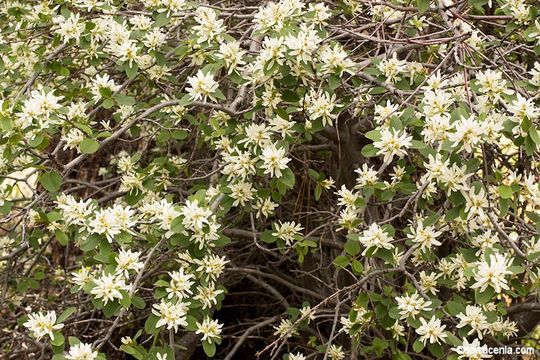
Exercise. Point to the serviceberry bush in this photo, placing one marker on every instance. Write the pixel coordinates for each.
(349, 179)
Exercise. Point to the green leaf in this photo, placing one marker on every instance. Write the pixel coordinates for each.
(181, 51)
(131, 71)
(352, 247)
(417, 144)
(530, 146)
(180, 134)
(66, 314)
(287, 178)
(341, 261)
(423, 5)
(61, 237)
(436, 349)
(373, 135)
(138, 302)
(50, 180)
(533, 133)
(122, 99)
(483, 297)
(290, 96)
(369, 150)
(126, 299)
(191, 323)
(267, 237)
(209, 348)
(73, 341)
(318, 192)
(455, 308)
(357, 266)
(516, 269)
(58, 339)
(108, 103)
(334, 82)
(418, 346)
(89, 146)
(162, 19)
(505, 191)
(90, 242)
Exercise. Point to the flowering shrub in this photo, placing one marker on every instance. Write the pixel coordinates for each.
(279, 180)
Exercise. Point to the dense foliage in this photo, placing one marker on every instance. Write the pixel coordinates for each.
(279, 180)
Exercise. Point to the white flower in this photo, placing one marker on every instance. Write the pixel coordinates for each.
(180, 284)
(475, 203)
(535, 74)
(425, 236)
(102, 83)
(436, 103)
(171, 315)
(75, 212)
(428, 282)
(492, 84)
(256, 134)
(272, 51)
(241, 192)
(454, 177)
(297, 356)
(81, 351)
(472, 350)
(304, 44)
(108, 288)
(274, 160)
(69, 28)
(195, 216)
(211, 266)
(202, 86)
(366, 176)
(73, 138)
(383, 113)
(271, 98)
(207, 295)
(335, 59)
(285, 328)
(522, 107)
(432, 331)
(41, 324)
(392, 143)
(492, 273)
(208, 27)
(105, 222)
(128, 260)
(265, 207)
(174, 5)
(469, 131)
(210, 329)
(321, 13)
(125, 217)
(320, 106)
(154, 39)
(335, 352)
(282, 126)
(412, 305)
(347, 197)
(475, 318)
(392, 68)
(485, 241)
(82, 276)
(375, 236)
(307, 313)
(287, 231)
(232, 54)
